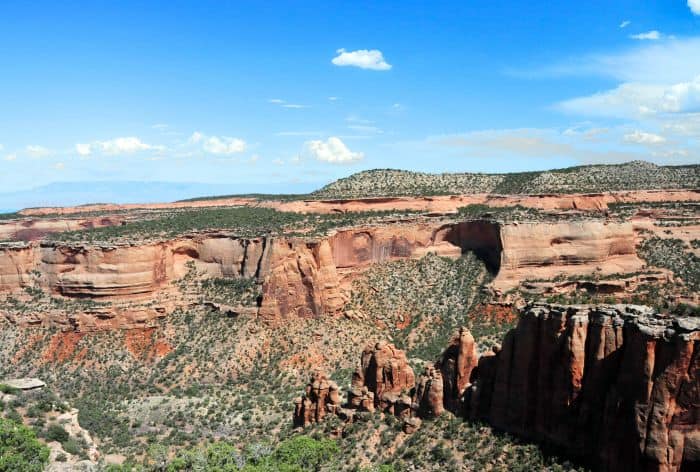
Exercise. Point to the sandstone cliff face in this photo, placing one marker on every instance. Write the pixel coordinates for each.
(544, 250)
(617, 386)
(125, 270)
(299, 279)
(311, 278)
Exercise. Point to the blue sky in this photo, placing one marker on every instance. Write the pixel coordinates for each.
(283, 95)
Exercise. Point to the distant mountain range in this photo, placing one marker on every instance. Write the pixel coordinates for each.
(79, 193)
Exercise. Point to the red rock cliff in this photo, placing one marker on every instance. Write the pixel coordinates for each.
(618, 386)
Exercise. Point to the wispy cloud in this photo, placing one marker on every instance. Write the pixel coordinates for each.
(648, 36)
(34, 150)
(625, 24)
(286, 104)
(371, 59)
(665, 61)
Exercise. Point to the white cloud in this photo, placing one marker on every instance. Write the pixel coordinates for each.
(625, 24)
(363, 58)
(333, 150)
(286, 104)
(333, 99)
(37, 151)
(221, 145)
(694, 6)
(666, 61)
(11, 157)
(641, 137)
(125, 145)
(160, 126)
(83, 149)
(116, 146)
(635, 100)
(649, 35)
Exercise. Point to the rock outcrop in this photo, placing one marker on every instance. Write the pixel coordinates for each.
(442, 384)
(618, 386)
(321, 397)
(384, 373)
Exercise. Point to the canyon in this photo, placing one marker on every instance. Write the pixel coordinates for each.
(247, 316)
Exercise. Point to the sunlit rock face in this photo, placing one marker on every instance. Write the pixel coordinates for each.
(618, 386)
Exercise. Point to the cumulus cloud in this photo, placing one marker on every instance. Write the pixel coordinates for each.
(694, 6)
(83, 149)
(641, 137)
(37, 151)
(116, 146)
(372, 59)
(648, 36)
(221, 145)
(125, 145)
(332, 150)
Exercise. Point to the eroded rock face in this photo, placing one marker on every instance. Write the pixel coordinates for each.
(442, 385)
(384, 371)
(299, 280)
(615, 385)
(320, 398)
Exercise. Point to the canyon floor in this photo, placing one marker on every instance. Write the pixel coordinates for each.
(169, 333)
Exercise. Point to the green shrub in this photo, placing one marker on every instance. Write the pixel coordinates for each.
(19, 448)
(56, 432)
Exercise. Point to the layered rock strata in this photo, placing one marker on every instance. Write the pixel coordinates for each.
(618, 386)
(311, 277)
